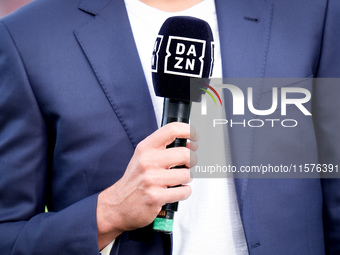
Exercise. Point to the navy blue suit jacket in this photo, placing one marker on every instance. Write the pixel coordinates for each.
(74, 104)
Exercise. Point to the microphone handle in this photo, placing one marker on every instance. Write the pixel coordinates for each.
(173, 111)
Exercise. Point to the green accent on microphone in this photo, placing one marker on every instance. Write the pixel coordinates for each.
(164, 225)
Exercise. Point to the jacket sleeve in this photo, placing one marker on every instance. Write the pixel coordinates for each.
(327, 123)
(25, 228)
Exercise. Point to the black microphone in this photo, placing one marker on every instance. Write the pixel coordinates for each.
(184, 49)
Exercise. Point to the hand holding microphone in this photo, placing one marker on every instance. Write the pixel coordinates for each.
(183, 50)
(135, 200)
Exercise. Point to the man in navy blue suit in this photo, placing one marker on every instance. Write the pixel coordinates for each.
(78, 131)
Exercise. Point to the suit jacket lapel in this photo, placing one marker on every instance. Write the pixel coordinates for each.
(244, 28)
(108, 43)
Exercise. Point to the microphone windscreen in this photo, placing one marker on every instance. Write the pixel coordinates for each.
(184, 49)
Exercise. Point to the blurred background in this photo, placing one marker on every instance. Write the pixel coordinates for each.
(8, 6)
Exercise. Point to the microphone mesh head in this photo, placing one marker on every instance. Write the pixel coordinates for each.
(183, 50)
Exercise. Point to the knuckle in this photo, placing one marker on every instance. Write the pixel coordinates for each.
(151, 198)
(148, 181)
(144, 163)
(171, 128)
(138, 151)
(140, 147)
(175, 127)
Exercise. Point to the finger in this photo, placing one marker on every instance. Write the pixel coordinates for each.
(192, 145)
(174, 177)
(193, 134)
(177, 156)
(175, 194)
(168, 133)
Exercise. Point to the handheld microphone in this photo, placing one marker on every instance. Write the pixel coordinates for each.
(183, 50)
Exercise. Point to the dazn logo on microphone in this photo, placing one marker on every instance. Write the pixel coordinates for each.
(184, 56)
